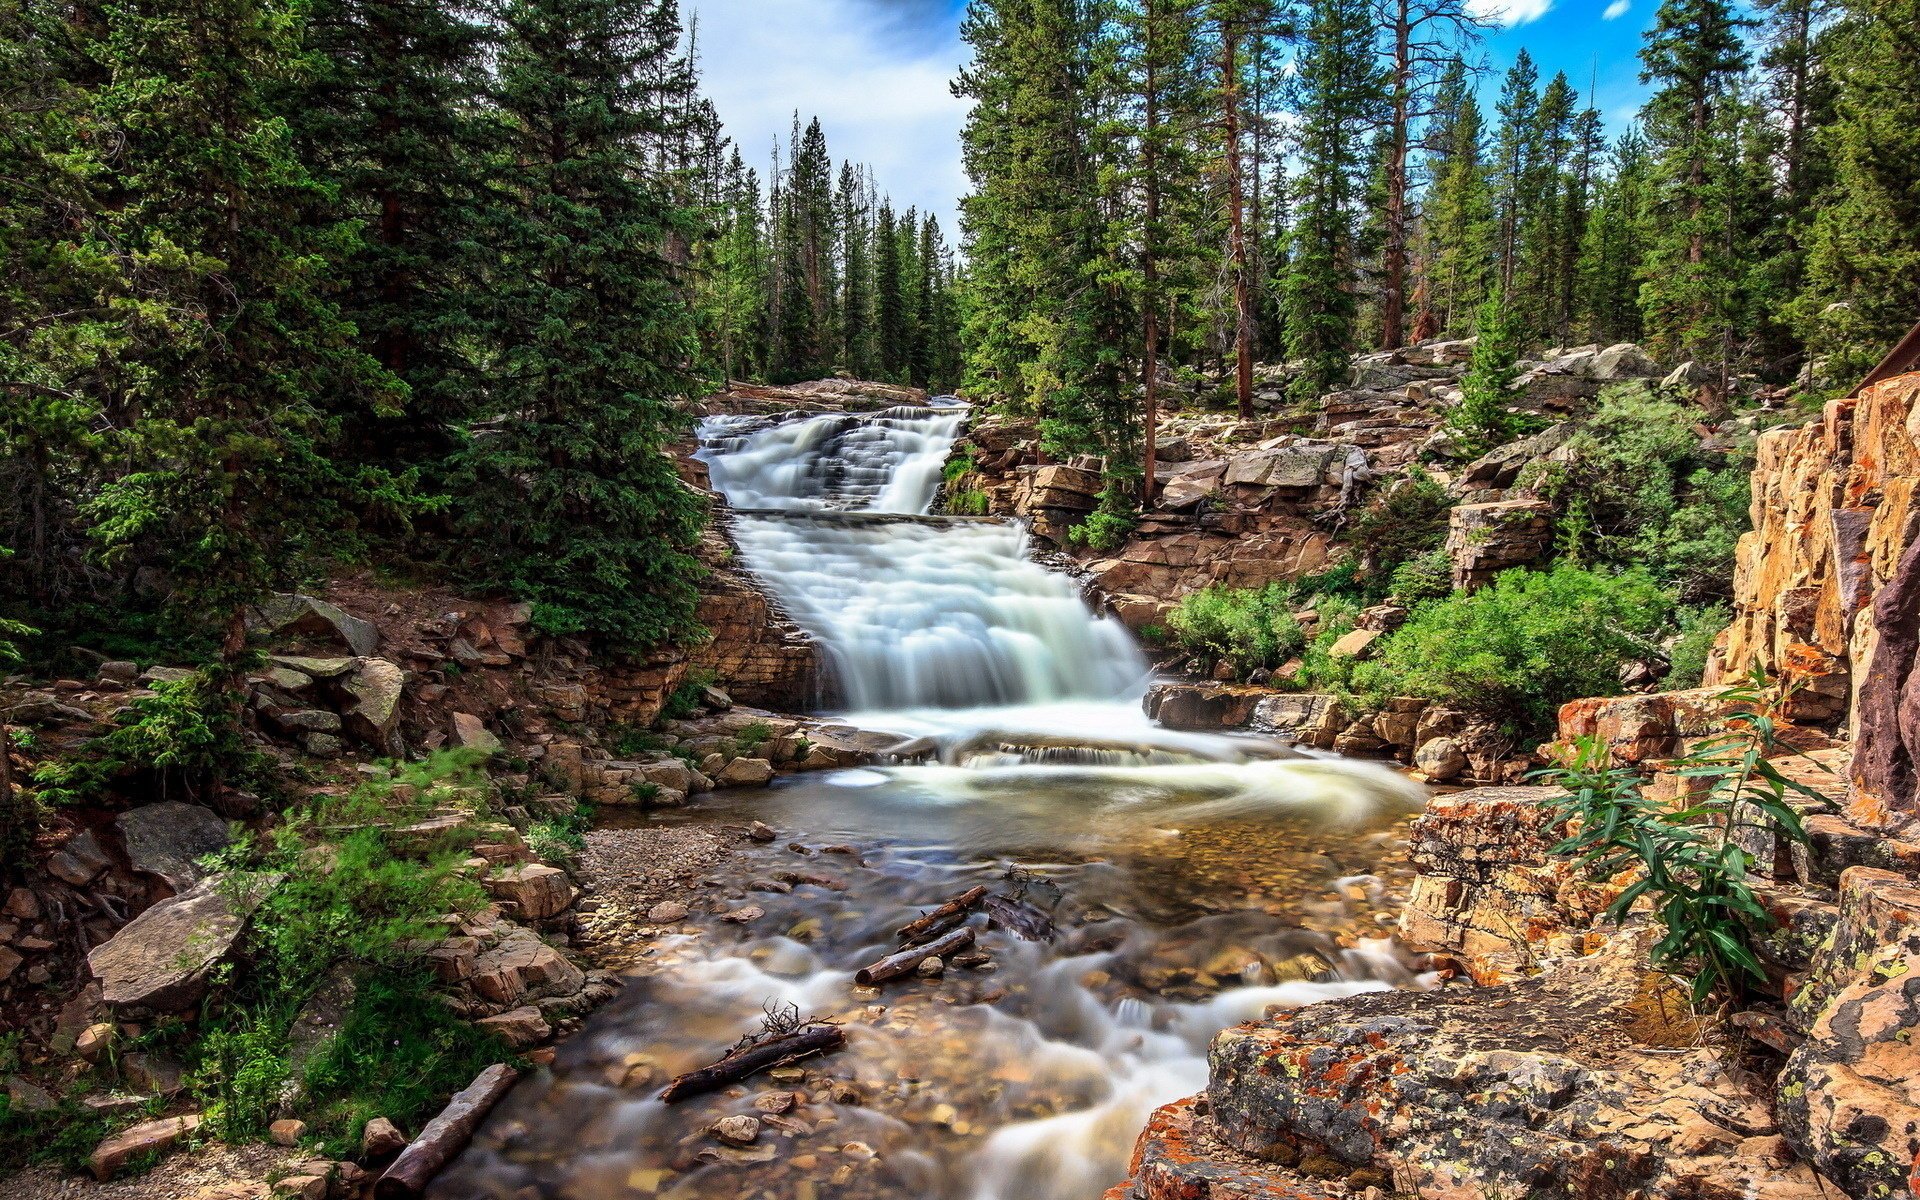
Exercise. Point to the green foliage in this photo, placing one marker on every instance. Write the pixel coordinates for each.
(1687, 656)
(959, 467)
(184, 737)
(629, 742)
(1484, 418)
(1252, 629)
(452, 777)
(63, 1136)
(1402, 523)
(561, 838)
(1109, 525)
(1525, 645)
(969, 503)
(1688, 860)
(685, 700)
(1638, 490)
(1427, 576)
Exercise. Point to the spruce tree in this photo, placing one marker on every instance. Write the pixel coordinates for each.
(1336, 92)
(1459, 212)
(566, 493)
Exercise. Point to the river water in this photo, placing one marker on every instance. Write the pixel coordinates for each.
(1191, 882)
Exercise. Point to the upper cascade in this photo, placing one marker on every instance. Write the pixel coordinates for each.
(912, 614)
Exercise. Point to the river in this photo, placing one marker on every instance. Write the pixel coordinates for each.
(1191, 881)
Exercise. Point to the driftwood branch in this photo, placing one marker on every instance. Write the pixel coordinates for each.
(445, 1136)
(1012, 912)
(903, 961)
(753, 1058)
(927, 923)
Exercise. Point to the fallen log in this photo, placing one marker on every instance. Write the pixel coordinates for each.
(1020, 916)
(913, 930)
(750, 1060)
(902, 962)
(445, 1136)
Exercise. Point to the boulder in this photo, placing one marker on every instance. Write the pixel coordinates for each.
(311, 668)
(79, 860)
(1354, 644)
(286, 1132)
(381, 1139)
(148, 1137)
(372, 708)
(167, 839)
(1620, 362)
(1850, 1093)
(537, 892)
(159, 961)
(1485, 539)
(519, 1027)
(522, 968)
(472, 733)
(1202, 706)
(1440, 759)
(745, 772)
(287, 614)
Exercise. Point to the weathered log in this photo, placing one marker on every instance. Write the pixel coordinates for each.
(751, 1060)
(445, 1136)
(1020, 916)
(918, 928)
(904, 961)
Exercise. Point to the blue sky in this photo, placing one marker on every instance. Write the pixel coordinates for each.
(876, 72)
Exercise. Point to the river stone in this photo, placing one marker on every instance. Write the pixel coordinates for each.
(167, 838)
(472, 733)
(314, 668)
(737, 1130)
(372, 712)
(1440, 759)
(286, 613)
(159, 961)
(523, 967)
(537, 892)
(745, 772)
(381, 1139)
(519, 1028)
(149, 1137)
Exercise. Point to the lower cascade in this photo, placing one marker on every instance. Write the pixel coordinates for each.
(1154, 887)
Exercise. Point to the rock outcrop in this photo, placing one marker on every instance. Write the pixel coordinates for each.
(160, 960)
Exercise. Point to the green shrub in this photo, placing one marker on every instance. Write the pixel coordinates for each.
(1111, 524)
(1524, 645)
(1427, 576)
(959, 467)
(182, 738)
(1687, 657)
(1402, 523)
(1689, 864)
(1251, 629)
(453, 776)
(1484, 418)
(630, 741)
(561, 838)
(970, 502)
(1319, 669)
(685, 700)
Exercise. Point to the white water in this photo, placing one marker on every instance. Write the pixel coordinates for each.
(926, 613)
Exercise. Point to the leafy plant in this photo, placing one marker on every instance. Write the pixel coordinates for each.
(1523, 646)
(1687, 656)
(1109, 525)
(1484, 418)
(685, 700)
(1402, 523)
(1426, 576)
(970, 502)
(1251, 629)
(1688, 861)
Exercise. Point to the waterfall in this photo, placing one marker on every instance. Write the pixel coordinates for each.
(913, 611)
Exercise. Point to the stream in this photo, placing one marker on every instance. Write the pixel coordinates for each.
(1191, 881)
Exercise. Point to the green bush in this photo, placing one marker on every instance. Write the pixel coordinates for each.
(1687, 657)
(1402, 523)
(1525, 645)
(561, 838)
(1251, 629)
(1111, 524)
(1319, 669)
(1427, 576)
(685, 700)
(182, 738)
(970, 502)
(1484, 420)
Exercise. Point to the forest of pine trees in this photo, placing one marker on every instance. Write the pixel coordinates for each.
(285, 285)
(1166, 186)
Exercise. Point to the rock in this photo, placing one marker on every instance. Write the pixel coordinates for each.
(1354, 644)
(744, 915)
(148, 1137)
(931, 967)
(671, 775)
(667, 912)
(1202, 706)
(159, 961)
(301, 1187)
(372, 708)
(79, 860)
(303, 615)
(381, 1139)
(472, 733)
(521, 968)
(323, 745)
(286, 1132)
(167, 838)
(776, 1103)
(745, 772)
(519, 1028)
(9, 963)
(298, 721)
(29, 1097)
(1618, 362)
(714, 699)
(119, 671)
(95, 1040)
(313, 668)
(1440, 759)
(537, 892)
(1485, 539)
(23, 905)
(1488, 883)
(760, 831)
(1850, 1093)
(737, 1130)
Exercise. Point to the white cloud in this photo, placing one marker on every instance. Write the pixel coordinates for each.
(876, 76)
(1510, 12)
(1617, 9)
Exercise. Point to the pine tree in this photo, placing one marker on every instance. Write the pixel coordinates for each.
(1459, 210)
(856, 276)
(1863, 263)
(1484, 418)
(235, 360)
(1516, 152)
(1336, 92)
(569, 497)
(387, 115)
(1614, 244)
(1694, 55)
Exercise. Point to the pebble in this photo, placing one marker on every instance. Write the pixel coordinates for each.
(760, 831)
(666, 912)
(737, 1130)
(774, 1102)
(932, 967)
(740, 916)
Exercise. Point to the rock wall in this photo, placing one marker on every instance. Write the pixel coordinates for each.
(1833, 514)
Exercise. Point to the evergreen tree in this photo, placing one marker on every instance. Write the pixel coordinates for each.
(856, 301)
(1614, 244)
(1484, 417)
(1336, 94)
(1459, 211)
(1863, 264)
(891, 319)
(568, 495)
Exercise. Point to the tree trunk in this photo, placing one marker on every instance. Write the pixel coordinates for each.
(1237, 237)
(1393, 255)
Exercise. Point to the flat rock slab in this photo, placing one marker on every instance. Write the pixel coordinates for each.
(166, 839)
(159, 961)
(148, 1137)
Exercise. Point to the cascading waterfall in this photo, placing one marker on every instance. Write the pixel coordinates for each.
(914, 611)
